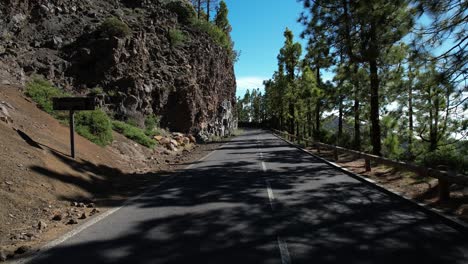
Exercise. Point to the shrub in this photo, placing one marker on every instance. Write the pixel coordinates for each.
(41, 91)
(217, 35)
(176, 37)
(447, 157)
(134, 133)
(95, 126)
(184, 11)
(95, 91)
(113, 27)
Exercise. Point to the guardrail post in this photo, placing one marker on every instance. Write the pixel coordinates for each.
(444, 192)
(368, 165)
(318, 149)
(335, 153)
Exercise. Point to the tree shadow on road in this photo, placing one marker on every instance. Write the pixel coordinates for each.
(219, 212)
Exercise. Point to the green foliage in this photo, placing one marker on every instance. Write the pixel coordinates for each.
(41, 91)
(152, 127)
(95, 91)
(152, 122)
(221, 19)
(217, 34)
(113, 27)
(95, 126)
(176, 37)
(184, 10)
(134, 133)
(447, 157)
(132, 122)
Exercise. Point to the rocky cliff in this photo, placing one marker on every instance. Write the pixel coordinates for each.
(190, 85)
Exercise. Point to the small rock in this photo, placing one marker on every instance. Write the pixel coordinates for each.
(9, 183)
(72, 222)
(75, 204)
(22, 250)
(6, 82)
(57, 217)
(192, 139)
(11, 216)
(158, 138)
(81, 205)
(41, 225)
(83, 216)
(94, 211)
(90, 205)
(3, 255)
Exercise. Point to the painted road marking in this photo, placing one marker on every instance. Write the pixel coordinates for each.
(271, 196)
(283, 247)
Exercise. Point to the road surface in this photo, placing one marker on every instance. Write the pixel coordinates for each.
(259, 200)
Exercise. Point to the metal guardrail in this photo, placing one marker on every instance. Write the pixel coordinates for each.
(445, 178)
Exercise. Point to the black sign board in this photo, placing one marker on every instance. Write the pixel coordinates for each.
(74, 103)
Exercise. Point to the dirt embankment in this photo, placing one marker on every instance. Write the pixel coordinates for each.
(43, 192)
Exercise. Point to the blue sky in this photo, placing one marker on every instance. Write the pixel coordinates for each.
(258, 27)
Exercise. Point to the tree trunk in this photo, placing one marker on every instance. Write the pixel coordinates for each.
(208, 10)
(317, 108)
(291, 118)
(410, 118)
(374, 108)
(357, 124)
(434, 129)
(199, 9)
(340, 120)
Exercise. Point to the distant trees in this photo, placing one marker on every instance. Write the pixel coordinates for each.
(395, 87)
(204, 7)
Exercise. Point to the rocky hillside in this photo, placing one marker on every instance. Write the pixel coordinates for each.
(162, 65)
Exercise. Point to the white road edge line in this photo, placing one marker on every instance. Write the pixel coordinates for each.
(99, 218)
(283, 247)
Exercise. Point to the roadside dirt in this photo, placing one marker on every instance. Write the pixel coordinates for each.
(408, 184)
(39, 182)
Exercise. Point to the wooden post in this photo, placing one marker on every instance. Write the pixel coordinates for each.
(444, 192)
(368, 165)
(318, 149)
(72, 133)
(335, 154)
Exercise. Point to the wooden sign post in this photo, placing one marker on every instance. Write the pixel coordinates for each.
(73, 104)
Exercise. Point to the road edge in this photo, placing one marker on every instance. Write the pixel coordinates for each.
(56, 242)
(445, 218)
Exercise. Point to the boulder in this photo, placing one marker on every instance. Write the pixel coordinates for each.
(174, 142)
(158, 138)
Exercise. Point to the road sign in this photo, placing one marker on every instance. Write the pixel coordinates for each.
(73, 104)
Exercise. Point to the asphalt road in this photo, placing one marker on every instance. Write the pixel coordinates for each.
(259, 200)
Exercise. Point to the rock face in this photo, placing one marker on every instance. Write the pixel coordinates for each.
(191, 85)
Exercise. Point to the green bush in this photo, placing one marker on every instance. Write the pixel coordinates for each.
(219, 36)
(176, 37)
(95, 91)
(184, 10)
(446, 157)
(134, 133)
(113, 27)
(41, 91)
(95, 126)
(152, 126)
